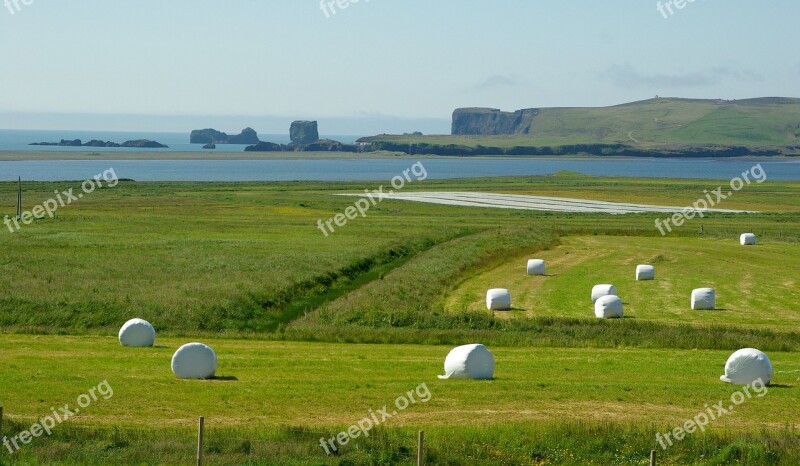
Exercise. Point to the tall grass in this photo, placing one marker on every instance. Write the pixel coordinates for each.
(549, 443)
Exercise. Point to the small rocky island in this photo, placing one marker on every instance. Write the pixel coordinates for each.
(303, 134)
(144, 144)
(212, 136)
(138, 143)
(305, 138)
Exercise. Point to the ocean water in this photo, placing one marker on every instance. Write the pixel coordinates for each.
(20, 140)
(384, 169)
(348, 169)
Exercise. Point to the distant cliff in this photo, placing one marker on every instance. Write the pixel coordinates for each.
(212, 136)
(492, 122)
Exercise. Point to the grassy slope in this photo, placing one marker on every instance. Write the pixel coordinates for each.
(653, 123)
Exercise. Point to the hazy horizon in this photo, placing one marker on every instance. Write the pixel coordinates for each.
(231, 124)
(375, 66)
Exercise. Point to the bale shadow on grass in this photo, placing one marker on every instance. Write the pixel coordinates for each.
(225, 378)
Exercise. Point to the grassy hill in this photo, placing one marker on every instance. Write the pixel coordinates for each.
(770, 125)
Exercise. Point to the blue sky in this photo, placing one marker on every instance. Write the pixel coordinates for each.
(400, 60)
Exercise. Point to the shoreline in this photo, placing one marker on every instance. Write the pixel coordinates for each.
(21, 156)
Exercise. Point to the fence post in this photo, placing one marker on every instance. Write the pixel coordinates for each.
(421, 448)
(200, 441)
(652, 458)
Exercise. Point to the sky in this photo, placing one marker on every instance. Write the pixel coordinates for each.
(376, 65)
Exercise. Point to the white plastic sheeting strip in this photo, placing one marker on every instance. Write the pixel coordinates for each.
(526, 202)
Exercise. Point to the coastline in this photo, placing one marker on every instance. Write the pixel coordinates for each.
(16, 156)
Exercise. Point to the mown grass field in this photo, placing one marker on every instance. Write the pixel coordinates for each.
(749, 292)
(313, 332)
(322, 388)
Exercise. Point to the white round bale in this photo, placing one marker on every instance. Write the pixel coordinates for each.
(608, 307)
(469, 362)
(704, 299)
(194, 361)
(137, 333)
(598, 291)
(747, 366)
(536, 267)
(645, 272)
(498, 299)
(747, 239)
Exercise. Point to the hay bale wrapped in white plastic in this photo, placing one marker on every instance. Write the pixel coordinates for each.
(598, 291)
(137, 333)
(608, 307)
(747, 366)
(194, 361)
(645, 272)
(536, 267)
(469, 362)
(704, 299)
(498, 299)
(747, 239)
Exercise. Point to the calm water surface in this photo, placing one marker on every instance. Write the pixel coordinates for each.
(384, 169)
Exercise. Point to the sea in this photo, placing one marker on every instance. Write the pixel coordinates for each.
(20, 140)
(343, 169)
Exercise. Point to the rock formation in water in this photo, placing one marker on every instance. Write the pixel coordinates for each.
(63, 143)
(212, 136)
(305, 138)
(144, 144)
(99, 143)
(329, 145)
(303, 132)
(140, 143)
(492, 122)
(264, 146)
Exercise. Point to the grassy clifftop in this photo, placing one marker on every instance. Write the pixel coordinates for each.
(660, 125)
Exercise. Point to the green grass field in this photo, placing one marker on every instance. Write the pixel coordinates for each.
(748, 292)
(277, 385)
(312, 332)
